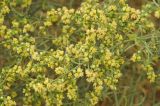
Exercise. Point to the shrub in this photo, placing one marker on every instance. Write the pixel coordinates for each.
(66, 56)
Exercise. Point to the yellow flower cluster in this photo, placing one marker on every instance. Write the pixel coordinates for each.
(59, 70)
(157, 13)
(136, 57)
(68, 56)
(150, 73)
(9, 102)
(26, 3)
(78, 73)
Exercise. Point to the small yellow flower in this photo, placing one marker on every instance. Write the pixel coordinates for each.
(15, 24)
(59, 70)
(122, 2)
(112, 8)
(9, 102)
(93, 99)
(47, 23)
(157, 14)
(135, 57)
(78, 73)
(28, 28)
